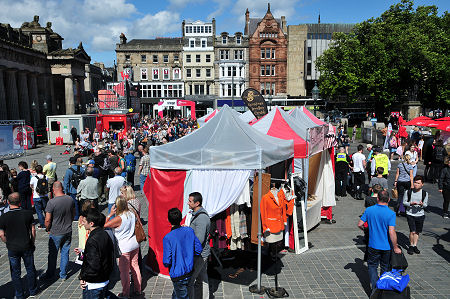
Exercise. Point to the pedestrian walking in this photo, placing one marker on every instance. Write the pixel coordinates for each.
(144, 167)
(130, 160)
(60, 212)
(49, 171)
(18, 232)
(444, 187)
(369, 161)
(98, 258)
(414, 157)
(23, 185)
(200, 223)
(415, 200)
(437, 162)
(381, 222)
(380, 160)
(39, 185)
(180, 246)
(74, 175)
(354, 133)
(74, 134)
(379, 180)
(113, 186)
(359, 164)
(403, 182)
(88, 188)
(342, 167)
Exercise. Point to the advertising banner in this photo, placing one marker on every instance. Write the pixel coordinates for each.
(316, 140)
(12, 140)
(255, 102)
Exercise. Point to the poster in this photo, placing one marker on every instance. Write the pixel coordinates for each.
(255, 102)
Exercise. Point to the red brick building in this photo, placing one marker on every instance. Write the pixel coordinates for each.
(267, 53)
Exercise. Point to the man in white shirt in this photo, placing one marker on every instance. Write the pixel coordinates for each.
(40, 196)
(113, 185)
(359, 164)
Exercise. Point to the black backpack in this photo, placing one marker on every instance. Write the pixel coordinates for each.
(42, 186)
(424, 194)
(76, 178)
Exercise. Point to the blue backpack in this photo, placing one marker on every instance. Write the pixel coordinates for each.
(393, 281)
(130, 163)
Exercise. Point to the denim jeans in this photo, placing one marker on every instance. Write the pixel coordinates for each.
(374, 258)
(40, 204)
(101, 293)
(180, 289)
(198, 284)
(77, 211)
(14, 264)
(55, 243)
(142, 179)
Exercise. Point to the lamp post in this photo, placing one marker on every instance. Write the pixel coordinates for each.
(315, 95)
(270, 101)
(33, 108)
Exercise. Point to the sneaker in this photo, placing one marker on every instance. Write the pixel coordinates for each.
(416, 250)
(41, 227)
(411, 250)
(45, 276)
(446, 216)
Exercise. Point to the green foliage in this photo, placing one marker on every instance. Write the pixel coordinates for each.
(403, 54)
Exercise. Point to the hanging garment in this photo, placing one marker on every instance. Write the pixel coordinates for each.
(243, 222)
(236, 240)
(273, 212)
(244, 198)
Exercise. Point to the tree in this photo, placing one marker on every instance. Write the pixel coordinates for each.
(401, 55)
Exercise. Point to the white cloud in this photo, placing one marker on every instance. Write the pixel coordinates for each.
(177, 5)
(221, 7)
(160, 24)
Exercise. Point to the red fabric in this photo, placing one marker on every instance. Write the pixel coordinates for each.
(331, 151)
(312, 117)
(418, 121)
(291, 234)
(401, 121)
(402, 132)
(445, 126)
(327, 212)
(280, 129)
(164, 190)
(211, 115)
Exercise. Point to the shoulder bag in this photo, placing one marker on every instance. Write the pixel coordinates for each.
(138, 227)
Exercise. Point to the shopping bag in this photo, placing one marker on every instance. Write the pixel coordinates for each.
(398, 261)
(393, 281)
(394, 193)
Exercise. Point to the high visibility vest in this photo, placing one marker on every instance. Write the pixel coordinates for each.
(381, 160)
(341, 157)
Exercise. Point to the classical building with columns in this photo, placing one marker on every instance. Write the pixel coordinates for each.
(37, 76)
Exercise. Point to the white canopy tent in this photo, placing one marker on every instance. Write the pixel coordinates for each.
(247, 116)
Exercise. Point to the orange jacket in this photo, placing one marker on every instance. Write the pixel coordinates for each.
(273, 214)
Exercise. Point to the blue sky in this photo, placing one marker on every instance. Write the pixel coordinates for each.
(98, 23)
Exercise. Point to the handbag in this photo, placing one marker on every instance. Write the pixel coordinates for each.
(394, 192)
(138, 227)
(393, 281)
(398, 261)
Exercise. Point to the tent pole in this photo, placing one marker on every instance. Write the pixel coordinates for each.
(259, 228)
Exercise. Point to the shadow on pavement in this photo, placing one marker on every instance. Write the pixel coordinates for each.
(402, 240)
(438, 247)
(361, 272)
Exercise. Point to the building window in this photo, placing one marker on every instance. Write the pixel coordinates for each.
(166, 74)
(222, 71)
(273, 53)
(203, 42)
(127, 57)
(176, 74)
(229, 90)
(267, 53)
(262, 88)
(175, 58)
(197, 58)
(272, 70)
(263, 70)
(144, 74)
(166, 58)
(209, 29)
(224, 54)
(199, 89)
(198, 73)
(234, 71)
(238, 54)
(192, 42)
(263, 53)
(155, 58)
(155, 74)
(188, 58)
(143, 58)
(308, 69)
(208, 57)
(229, 71)
(273, 89)
(188, 73)
(238, 39)
(309, 53)
(188, 29)
(224, 40)
(240, 71)
(208, 73)
(267, 70)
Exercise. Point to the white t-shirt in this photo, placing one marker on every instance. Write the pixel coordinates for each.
(358, 159)
(412, 155)
(114, 184)
(33, 183)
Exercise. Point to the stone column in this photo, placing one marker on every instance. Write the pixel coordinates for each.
(11, 95)
(50, 95)
(34, 98)
(82, 95)
(24, 102)
(70, 101)
(3, 107)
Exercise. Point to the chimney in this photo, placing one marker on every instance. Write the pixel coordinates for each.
(123, 39)
(319, 18)
(214, 27)
(247, 21)
(182, 27)
(283, 24)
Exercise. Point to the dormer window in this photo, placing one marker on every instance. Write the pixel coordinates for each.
(238, 39)
(224, 39)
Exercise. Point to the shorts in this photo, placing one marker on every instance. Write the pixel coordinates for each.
(415, 223)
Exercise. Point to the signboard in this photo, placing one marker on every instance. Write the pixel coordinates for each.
(255, 102)
(316, 140)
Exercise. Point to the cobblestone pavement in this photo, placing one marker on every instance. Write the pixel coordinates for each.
(332, 268)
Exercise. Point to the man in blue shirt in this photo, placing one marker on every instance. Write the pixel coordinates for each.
(381, 221)
(179, 248)
(71, 185)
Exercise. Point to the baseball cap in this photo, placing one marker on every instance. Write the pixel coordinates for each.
(91, 162)
(369, 145)
(49, 157)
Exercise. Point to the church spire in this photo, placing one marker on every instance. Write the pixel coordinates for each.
(268, 7)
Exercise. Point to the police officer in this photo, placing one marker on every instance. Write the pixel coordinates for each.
(342, 167)
(380, 160)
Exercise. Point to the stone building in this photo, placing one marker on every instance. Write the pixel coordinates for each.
(306, 43)
(198, 62)
(268, 53)
(231, 68)
(154, 64)
(37, 76)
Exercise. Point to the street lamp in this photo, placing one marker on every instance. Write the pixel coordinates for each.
(315, 95)
(33, 107)
(270, 101)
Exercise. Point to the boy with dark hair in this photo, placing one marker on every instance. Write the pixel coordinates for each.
(415, 200)
(179, 247)
(379, 179)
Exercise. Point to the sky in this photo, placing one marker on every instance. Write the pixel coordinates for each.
(98, 23)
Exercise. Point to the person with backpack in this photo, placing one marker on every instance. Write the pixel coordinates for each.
(72, 178)
(415, 200)
(437, 162)
(403, 182)
(130, 160)
(39, 184)
(444, 187)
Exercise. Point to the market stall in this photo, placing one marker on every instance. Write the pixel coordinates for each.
(215, 160)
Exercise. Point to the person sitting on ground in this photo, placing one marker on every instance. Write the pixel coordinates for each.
(378, 180)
